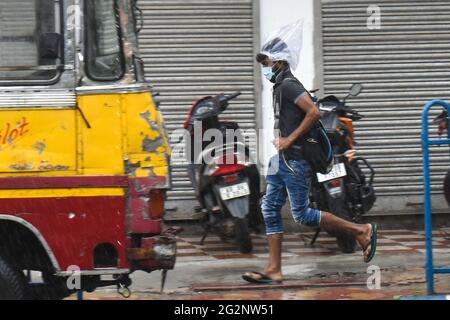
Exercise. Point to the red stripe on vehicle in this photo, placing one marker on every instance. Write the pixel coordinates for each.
(63, 182)
(82, 182)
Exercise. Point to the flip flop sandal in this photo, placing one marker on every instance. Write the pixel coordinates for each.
(263, 278)
(372, 244)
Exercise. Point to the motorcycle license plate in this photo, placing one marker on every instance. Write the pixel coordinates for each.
(338, 171)
(234, 191)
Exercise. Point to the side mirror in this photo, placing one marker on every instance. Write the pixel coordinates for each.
(139, 15)
(139, 68)
(356, 89)
(49, 45)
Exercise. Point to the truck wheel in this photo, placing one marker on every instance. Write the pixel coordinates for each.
(243, 237)
(346, 242)
(13, 285)
(53, 288)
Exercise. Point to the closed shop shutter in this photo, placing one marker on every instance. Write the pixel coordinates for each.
(194, 48)
(402, 65)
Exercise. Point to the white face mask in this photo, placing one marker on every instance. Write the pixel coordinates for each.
(268, 73)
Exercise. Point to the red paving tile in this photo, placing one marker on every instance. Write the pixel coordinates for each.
(263, 250)
(192, 254)
(406, 239)
(268, 295)
(216, 248)
(293, 240)
(435, 246)
(331, 253)
(325, 241)
(298, 246)
(286, 284)
(389, 242)
(224, 248)
(397, 232)
(184, 246)
(206, 242)
(382, 251)
(234, 256)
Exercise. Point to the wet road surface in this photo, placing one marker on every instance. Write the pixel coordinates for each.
(213, 270)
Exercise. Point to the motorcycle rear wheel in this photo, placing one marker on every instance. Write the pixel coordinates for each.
(338, 206)
(243, 237)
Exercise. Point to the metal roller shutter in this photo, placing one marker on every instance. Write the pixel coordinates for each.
(194, 48)
(402, 66)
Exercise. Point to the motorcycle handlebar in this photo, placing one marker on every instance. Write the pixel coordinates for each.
(442, 117)
(232, 96)
(224, 99)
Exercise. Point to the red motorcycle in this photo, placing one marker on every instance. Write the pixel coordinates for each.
(225, 178)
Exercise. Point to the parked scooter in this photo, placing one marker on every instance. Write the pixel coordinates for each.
(225, 178)
(443, 121)
(345, 191)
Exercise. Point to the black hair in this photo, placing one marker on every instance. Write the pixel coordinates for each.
(260, 57)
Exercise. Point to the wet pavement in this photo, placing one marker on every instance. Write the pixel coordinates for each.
(319, 272)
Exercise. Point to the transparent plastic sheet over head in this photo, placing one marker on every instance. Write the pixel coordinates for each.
(285, 44)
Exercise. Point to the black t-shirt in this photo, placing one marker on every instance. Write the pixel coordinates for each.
(288, 116)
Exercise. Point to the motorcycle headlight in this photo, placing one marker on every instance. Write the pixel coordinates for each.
(206, 107)
(202, 110)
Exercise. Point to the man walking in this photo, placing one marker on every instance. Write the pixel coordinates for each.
(289, 175)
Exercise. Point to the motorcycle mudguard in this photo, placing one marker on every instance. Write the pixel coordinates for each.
(334, 192)
(239, 207)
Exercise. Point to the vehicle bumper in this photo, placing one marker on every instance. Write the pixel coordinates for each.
(154, 253)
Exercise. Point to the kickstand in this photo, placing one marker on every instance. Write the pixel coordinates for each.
(163, 280)
(316, 235)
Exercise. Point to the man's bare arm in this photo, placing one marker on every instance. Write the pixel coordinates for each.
(312, 116)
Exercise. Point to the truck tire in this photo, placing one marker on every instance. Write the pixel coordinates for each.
(53, 288)
(346, 242)
(243, 237)
(13, 285)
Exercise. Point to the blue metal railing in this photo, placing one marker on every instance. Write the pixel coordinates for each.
(426, 143)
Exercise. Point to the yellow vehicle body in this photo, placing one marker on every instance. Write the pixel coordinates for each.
(105, 135)
(55, 141)
(84, 156)
(71, 170)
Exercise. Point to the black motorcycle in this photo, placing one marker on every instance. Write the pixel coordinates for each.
(346, 191)
(443, 122)
(225, 178)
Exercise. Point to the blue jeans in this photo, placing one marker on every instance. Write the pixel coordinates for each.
(288, 178)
